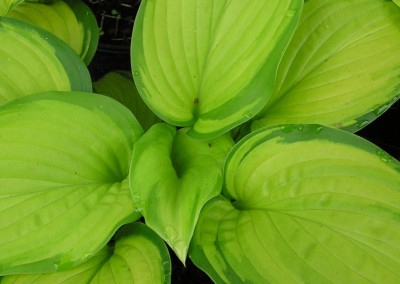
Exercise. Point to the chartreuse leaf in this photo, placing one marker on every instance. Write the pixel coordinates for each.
(33, 60)
(64, 163)
(397, 2)
(307, 204)
(209, 64)
(138, 256)
(7, 5)
(172, 176)
(341, 68)
(120, 86)
(71, 21)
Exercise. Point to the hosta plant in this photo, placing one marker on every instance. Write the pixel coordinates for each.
(232, 142)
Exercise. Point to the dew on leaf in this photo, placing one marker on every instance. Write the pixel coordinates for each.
(362, 123)
(288, 128)
(318, 129)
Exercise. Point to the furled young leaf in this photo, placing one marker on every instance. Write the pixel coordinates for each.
(342, 67)
(64, 163)
(138, 256)
(171, 177)
(33, 60)
(120, 86)
(209, 64)
(70, 20)
(307, 204)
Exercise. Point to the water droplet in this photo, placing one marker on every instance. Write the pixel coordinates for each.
(300, 127)
(362, 123)
(135, 73)
(195, 30)
(247, 114)
(385, 157)
(288, 128)
(136, 198)
(291, 13)
(318, 129)
(381, 109)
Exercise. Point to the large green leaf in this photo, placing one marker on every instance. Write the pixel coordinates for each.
(138, 256)
(209, 64)
(172, 176)
(33, 60)
(307, 204)
(72, 21)
(64, 163)
(342, 67)
(120, 86)
(7, 5)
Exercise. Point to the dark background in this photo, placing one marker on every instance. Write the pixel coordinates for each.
(116, 18)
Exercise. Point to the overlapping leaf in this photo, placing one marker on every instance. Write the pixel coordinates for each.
(307, 204)
(138, 256)
(342, 67)
(7, 5)
(208, 64)
(172, 176)
(70, 20)
(120, 86)
(64, 163)
(33, 60)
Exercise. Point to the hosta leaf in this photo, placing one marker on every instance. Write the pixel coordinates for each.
(71, 21)
(64, 163)
(7, 5)
(138, 256)
(342, 67)
(33, 60)
(120, 86)
(172, 176)
(209, 64)
(307, 204)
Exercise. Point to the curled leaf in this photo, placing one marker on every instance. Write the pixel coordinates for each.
(172, 176)
(341, 68)
(33, 61)
(64, 163)
(138, 256)
(306, 203)
(209, 65)
(71, 21)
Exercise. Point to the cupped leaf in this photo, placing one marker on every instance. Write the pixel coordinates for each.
(138, 256)
(120, 86)
(172, 176)
(342, 67)
(33, 60)
(64, 163)
(208, 64)
(71, 21)
(307, 204)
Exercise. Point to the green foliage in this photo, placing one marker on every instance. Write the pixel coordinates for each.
(304, 203)
(189, 173)
(296, 200)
